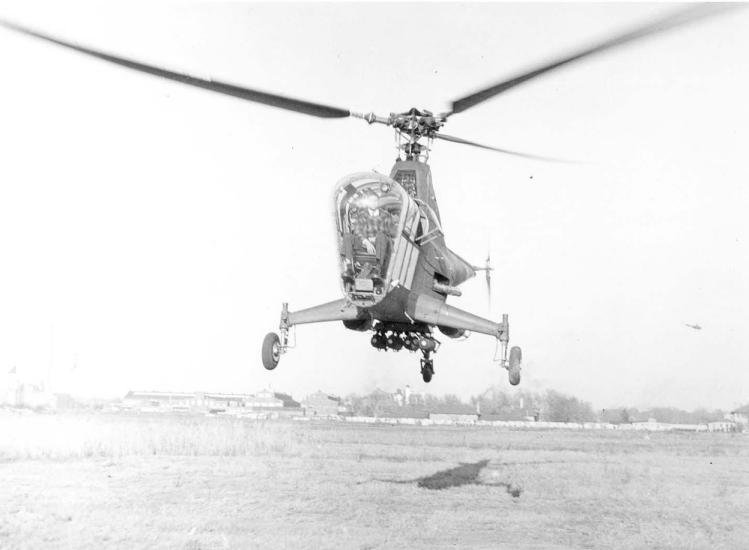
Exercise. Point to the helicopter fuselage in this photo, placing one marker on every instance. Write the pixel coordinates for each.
(396, 271)
(395, 266)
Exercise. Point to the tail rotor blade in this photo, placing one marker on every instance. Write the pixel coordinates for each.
(488, 274)
(487, 269)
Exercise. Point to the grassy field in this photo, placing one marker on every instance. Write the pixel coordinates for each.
(111, 481)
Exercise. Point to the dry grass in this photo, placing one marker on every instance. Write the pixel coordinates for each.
(204, 483)
(25, 436)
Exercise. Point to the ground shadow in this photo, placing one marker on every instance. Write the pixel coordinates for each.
(465, 474)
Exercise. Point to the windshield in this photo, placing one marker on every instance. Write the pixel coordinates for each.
(370, 221)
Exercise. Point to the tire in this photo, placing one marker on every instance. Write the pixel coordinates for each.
(514, 378)
(513, 370)
(271, 350)
(427, 371)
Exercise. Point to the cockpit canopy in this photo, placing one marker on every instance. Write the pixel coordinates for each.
(375, 219)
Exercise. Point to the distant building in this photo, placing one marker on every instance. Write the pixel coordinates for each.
(286, 399)
(511, 416)
(721, 426)
(651, 424)
(399, 397)
(16, 392)
(279, 404)
(453, 418)
(323, 405)
(453, 414)
(160, 399)
(64, 401)
(740, 416)
(406, 396)
(411, 411)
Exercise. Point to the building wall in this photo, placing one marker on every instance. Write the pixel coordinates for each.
(321, 404)
(449, 418)
(201, 401)
(721, 426)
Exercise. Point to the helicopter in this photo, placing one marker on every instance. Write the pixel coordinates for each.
(396, 271)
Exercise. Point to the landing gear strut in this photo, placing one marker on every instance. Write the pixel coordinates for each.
(513, 363)
(427, 344)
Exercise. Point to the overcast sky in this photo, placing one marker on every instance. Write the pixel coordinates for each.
(149, 231)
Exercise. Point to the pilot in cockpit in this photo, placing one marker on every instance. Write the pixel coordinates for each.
(368, 242)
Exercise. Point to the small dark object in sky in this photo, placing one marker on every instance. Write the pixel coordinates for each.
(695, 326)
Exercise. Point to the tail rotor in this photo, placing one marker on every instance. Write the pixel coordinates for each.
(487, 269)
(488, 275)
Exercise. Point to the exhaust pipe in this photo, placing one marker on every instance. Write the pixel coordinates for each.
(445, 289)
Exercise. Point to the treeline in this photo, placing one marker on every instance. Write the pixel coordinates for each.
(670, 415)
(551, 406)
(380, 403)
(497, 404)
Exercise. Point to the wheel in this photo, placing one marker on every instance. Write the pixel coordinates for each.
(271, 350)
(513, 370)
(426, 375)
(427, 370)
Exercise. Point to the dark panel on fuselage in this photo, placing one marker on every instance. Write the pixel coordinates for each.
(392, 307)
(406, 170)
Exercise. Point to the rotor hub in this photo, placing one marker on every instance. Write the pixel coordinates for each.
(412, 126)
(417, 124)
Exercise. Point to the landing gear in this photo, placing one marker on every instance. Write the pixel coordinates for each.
(398, 336)
(274, 345)
(513, 368)
(511, 363)
(427, 369)
(271, 350)
(427, 344)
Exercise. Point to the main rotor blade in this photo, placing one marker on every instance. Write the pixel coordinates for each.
(498, 149)
(670, 21)
(248, 94)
